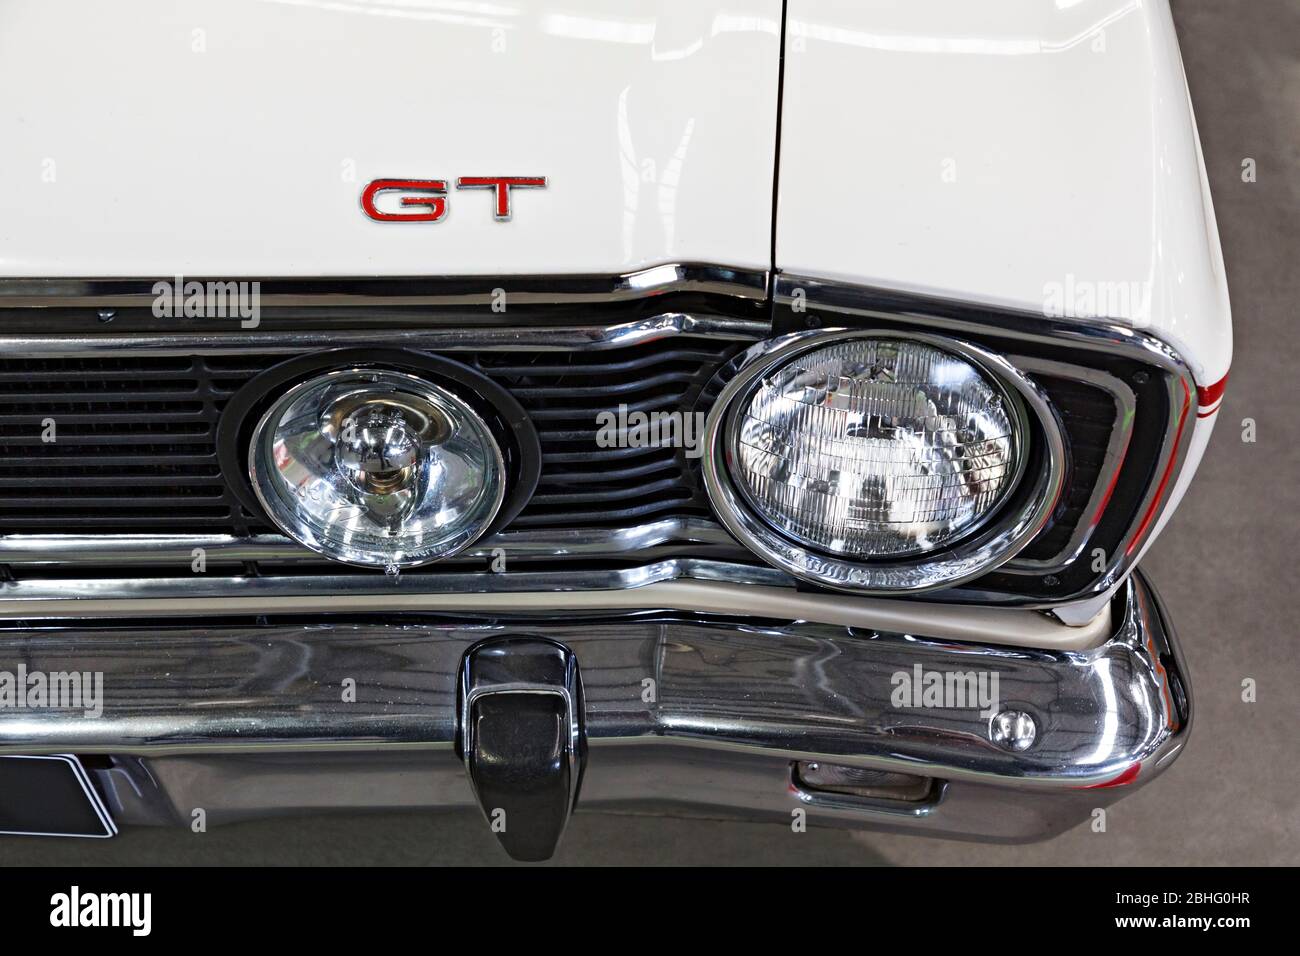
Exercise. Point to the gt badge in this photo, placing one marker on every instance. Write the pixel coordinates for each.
(427, 198)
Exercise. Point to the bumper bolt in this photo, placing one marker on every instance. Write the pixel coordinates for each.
(1013, 730)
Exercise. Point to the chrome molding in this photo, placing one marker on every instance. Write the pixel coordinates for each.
(688, 585)
(1107, 337)
(1116, 449)
(751, 284)
(69, 550)
(728, 694)
(541, 338)
(963, 561)
(387, 587)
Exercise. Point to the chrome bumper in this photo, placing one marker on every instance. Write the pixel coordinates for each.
(683, 714)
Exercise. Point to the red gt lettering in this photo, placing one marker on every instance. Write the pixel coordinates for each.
(502, 184)
(436, 202)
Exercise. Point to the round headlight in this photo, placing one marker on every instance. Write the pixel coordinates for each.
(879, 460)
(876, 447)
(377, 468)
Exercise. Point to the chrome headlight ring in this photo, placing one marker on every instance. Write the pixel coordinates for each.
(375, 468)
(368, 452)
(993, 540)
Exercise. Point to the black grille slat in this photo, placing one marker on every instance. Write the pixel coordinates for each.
(171, 393)
(105, 417)
(609, 474)
(588, 412)
(602, 391)
(665, 488)
(211, 520)
(109, 497)
(23, 486)
(607, 454)
(65, 441)
(48, 462)
(610, 516)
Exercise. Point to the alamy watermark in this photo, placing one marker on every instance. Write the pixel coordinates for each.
(74, 908)
(1077, 298)
(62, 690)
(178, 299)
(948, 690)
(636, 429)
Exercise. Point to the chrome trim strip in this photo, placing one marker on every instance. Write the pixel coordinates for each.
(1100, 335)
(32, 550)
(1097, 335)
(539, 338)
(1116, 449)
(790, 691)
(963, 561)
(704, 587)
(54, 592)
(751, 284)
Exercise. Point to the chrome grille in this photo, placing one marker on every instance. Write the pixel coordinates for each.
(132, 482)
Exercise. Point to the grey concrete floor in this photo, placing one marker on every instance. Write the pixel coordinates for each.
(1225, 566)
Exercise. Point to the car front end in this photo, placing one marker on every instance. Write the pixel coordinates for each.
(746, 409)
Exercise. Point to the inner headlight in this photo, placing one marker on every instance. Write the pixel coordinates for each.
(883, 461)
(876, 447)
(377, 468)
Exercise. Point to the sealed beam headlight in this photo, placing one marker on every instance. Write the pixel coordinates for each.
(881, 461)
(377, 467)
(877, 447)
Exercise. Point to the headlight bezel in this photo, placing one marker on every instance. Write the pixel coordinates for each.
(996, 538)
(295, 517)
(510, 424)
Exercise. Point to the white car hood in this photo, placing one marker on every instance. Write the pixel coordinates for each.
(997, 152)
(234, 139)
(1016, 153)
